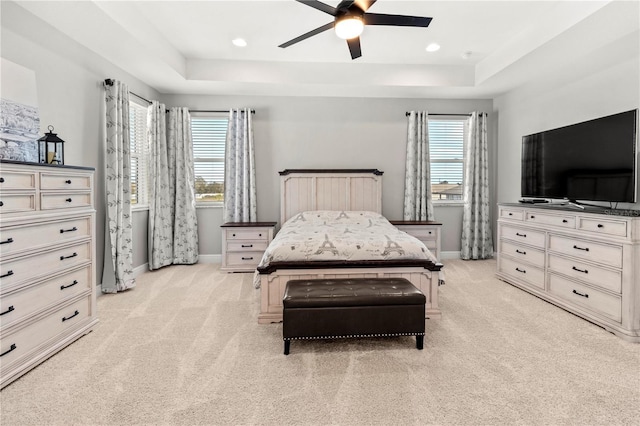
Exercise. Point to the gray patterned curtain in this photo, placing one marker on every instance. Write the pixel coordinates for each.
(477, 237)
(417, 183)
(240, 169)
(118, 270)
(173, 225)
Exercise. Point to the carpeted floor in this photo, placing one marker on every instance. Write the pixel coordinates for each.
(185, 348)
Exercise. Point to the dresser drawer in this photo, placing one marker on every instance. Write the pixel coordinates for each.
(511, 214)
(247, 234)
(561, 221)
(64, 181)
(588, 297)
(19, 238)
(606, 254)
(522, 271)
(15, 203)
(246, 246)
(524, 236)
(43, 264)
(587, 272)
(522, 253)
(65, 200)
(605, 227)
(23, 342)
(10, 179)
(16, 305)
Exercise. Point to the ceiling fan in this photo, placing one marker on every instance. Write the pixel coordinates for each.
(350, 17)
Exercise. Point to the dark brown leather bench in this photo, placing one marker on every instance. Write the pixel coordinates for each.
(358, 307)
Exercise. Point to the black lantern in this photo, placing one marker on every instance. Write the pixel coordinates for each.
(50, 148)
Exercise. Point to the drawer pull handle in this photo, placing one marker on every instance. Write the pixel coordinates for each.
(247, 245)
(69, 257)
(8, 274)
(565, 221)
(533, 217)
(233, 235)
(259, 235)
(7, 241)
(1, 204)
(11, 349)
(510, 214)
(62, 231)
(520, 252)
(521, 235)
(68, 200)
(580, 294)
(521, 270)
(584, 271)
(11, 309)
(1, 180)
(68, 181)
(62, 287)
(580, 248)
(247, 258)
(76, 313)
(600, 225)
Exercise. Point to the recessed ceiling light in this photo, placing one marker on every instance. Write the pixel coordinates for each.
(240, 42)
(433, 47)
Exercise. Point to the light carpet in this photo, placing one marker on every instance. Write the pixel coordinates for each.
(184, 348)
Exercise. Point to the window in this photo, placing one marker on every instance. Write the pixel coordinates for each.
(139, 153)
(209, 134)
(446, 149)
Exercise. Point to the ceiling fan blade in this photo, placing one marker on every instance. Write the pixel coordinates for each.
(354, 47)
(364, 5)
(320, 6)
(395, 20)
(307, 35)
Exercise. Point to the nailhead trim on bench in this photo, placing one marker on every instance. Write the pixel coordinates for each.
(354, 335)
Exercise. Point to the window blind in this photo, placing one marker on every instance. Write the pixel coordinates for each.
(138, 150)
(209, 136)
(446, 149)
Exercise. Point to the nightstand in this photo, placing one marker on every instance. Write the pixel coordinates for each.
(243, 244)
(426, 231)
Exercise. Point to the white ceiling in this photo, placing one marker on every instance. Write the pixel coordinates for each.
(185, 46)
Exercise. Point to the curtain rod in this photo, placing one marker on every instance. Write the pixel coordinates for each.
(462, 115)
(109, 82)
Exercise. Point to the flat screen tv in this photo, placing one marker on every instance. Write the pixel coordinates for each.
(590, 161)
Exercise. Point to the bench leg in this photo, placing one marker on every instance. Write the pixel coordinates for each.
(420, 342)
(287, 343)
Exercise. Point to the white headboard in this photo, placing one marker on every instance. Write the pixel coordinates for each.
(329, 189)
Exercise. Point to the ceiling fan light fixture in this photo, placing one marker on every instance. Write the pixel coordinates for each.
(349, 27)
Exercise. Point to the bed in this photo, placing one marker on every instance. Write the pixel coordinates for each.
(327, 205)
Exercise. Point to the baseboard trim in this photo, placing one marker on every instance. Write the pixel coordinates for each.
(210, 258)
(449, 255)
(139, 270)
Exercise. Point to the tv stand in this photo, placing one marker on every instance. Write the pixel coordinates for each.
(585, 262)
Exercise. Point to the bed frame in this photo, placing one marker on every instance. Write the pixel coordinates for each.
(337, 189)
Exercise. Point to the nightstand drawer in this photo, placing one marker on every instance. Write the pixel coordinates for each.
(597, 301)
(247, 234)
(246, 245)
(251, 258)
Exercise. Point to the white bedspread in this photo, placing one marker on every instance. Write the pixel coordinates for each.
(339, 235)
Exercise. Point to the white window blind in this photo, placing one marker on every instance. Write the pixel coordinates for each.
(139, 157)
(209, 133)
(446, 149)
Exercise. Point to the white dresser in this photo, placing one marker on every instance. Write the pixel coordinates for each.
(585, 262)
(243, 244)
(47, 262)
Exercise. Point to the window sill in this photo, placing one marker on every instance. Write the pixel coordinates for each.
(141, 208)
(448, 204)
(210, 205)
